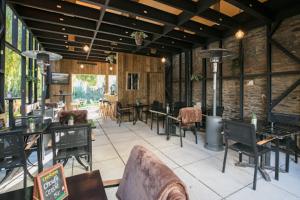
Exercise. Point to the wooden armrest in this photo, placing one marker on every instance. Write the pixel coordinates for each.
(265, 141)
(174, 118)
(32, 141)
(122, 109)
(111, 183)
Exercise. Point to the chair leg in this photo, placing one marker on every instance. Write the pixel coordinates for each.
(25, 176)
(195, 133)
(180, 134)
(183, 133)
(224, 160)
(163, 125)
(151, 126)
(255, 172)
(240, 157)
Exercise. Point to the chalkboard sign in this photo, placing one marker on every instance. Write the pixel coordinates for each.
(50, 184)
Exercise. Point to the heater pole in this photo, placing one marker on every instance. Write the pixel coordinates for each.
(215, 69)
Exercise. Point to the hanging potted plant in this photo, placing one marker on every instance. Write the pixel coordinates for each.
(111, 59)
(196, 77)
(139, 37)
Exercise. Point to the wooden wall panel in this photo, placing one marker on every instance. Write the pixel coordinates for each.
(144, 65)
(73, 67)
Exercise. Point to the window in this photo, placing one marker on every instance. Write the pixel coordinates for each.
(132, 81)
(8, 33)
(20, 25)
(12, 73)
(112, 84)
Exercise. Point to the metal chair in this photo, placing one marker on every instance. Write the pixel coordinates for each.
(244, 136)
(71, 141)
(157, 106)
(12, 153)
(121, 111)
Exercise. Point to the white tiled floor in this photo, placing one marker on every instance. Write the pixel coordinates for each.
(199, 168)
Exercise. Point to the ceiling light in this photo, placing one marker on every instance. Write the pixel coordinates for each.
(65, 35)
(145, 11)
(81, 66)
(120, 39)
(201, 28)
(163, 59)
(220, 19)
(126, 32)
(173, 42)
(239, 34)
(66, 42)
(61, 19)
(250, 5)
(184, 36)
(63, 29)
(58, 6)
(86, 48)
(67, 46)
(110, 68)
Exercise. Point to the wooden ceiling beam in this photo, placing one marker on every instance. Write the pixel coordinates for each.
(254, 8)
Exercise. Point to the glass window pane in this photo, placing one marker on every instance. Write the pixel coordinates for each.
(8, 32)
(20, 24)
(112, 84)
(27, 39)
(39, 84)
(13, 77)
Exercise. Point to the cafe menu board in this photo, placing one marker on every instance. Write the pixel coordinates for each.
(50, 184)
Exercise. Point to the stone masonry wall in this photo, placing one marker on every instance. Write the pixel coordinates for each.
(255, 88)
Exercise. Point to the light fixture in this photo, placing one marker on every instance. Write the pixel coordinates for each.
(65, 36)
(61, 19)
(63, 29)
(110, 68)
(81, 66)
(163, 59)
(86, 48)
(239, 34)
(58, 6)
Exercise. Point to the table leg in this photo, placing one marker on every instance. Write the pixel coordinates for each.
(277, 160)
(40, 153)
(287, 157)
(157, 124)
(167, 128)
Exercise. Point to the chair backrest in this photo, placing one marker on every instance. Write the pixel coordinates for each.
(12, 145)
(156, 105)
(177, 106)
(66, 137)
(147, 177)
(240, 132)
(80, 116)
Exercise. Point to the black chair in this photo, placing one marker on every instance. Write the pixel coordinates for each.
(157, 106)
(71, 141)
(12, 153)
(244, 136)
(121, 111)
(177, 106)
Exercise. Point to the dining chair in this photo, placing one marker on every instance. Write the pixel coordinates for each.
(123, 111)
(243, 136)
(12, 153)
(157, 106)
(71, 141)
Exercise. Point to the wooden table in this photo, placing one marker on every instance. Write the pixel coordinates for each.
(87, 186)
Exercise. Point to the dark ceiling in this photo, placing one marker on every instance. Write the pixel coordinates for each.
(66, 26)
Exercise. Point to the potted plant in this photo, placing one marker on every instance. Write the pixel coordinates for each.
(139, 37)
(31, 124)
(71, 120)
(196, 77)
(111, 59)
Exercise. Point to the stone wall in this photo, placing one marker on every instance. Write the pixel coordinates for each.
(255, 62)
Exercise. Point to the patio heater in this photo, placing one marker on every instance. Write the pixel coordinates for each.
(213, 136)
(43, 59)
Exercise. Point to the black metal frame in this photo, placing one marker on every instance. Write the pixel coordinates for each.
(2, 56)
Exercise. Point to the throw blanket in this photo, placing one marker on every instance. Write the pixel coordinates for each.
(190, 115)
(147, 178)
(80, 116)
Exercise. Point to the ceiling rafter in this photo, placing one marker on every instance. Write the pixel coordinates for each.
(253, 7)
(102, 13)
(182, 18)
(209, 14)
